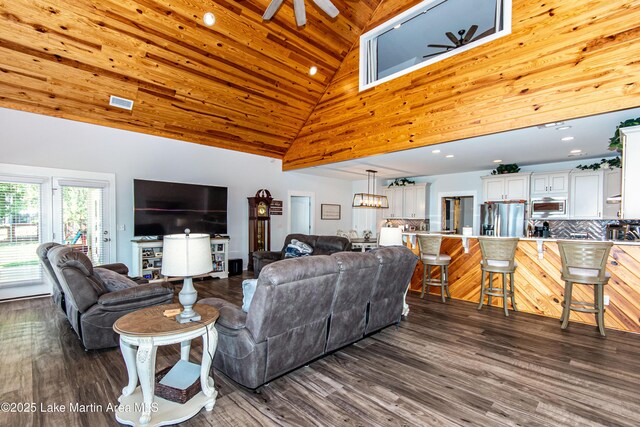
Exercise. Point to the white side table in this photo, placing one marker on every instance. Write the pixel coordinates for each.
(141, 332)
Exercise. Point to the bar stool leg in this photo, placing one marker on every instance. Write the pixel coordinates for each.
(505, 297)
(600, 307)
(446, 275)
(481, 290)
(424, 278)
(566, 312)
(490, 287)
(513, 293)
(442, 283)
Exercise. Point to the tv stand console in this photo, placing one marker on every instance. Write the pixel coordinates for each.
(147, 259)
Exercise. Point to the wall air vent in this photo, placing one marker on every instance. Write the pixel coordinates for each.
(116, 101)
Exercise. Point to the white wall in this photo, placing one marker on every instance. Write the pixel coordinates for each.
(36, 140)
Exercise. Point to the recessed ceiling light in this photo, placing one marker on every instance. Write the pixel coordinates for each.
(567, 138)
(449, 156)
(313, 70)
(575, 151)
(209, 19)
(397, 26)
(551, 125)
(497, 161)
(564, 127)
(435, 151)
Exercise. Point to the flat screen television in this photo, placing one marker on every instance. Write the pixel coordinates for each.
(162, 208)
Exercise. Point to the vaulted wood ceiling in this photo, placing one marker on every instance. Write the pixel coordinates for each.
(242, 84)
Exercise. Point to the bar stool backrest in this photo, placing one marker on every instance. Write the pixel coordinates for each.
(429, 244)
(499, 253)
(584, 262)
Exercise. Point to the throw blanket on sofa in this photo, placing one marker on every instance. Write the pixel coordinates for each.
(297, 249)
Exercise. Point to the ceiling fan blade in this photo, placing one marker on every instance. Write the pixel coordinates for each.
(271, 9)
(327, 7)
(470, 33)
(432, 54)
(453, 38)
(299, 11)
(485, 34)
(441, 46)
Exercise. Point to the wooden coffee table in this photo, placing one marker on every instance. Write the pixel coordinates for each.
(141, 332)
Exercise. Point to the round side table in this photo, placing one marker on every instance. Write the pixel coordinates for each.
(141, 332)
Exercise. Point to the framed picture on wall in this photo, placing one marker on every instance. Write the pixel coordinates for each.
(329, 211)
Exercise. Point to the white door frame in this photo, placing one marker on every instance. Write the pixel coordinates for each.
(476, 208)
(312, 198)
(45, 176)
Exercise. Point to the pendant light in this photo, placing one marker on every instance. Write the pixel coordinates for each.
(370, 199)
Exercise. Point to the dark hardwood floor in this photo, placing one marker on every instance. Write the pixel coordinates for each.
(446, 364)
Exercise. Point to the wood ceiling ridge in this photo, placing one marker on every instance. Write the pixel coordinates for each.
(355, 43)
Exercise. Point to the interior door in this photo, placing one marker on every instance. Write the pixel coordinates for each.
(301, 214)
(81, 217)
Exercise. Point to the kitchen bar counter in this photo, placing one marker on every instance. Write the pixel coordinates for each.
(539, 289)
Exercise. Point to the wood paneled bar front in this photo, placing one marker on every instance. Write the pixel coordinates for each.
(539, 289)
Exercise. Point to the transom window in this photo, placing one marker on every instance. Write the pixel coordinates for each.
(427, 33)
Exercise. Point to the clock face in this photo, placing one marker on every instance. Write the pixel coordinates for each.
(262, 209)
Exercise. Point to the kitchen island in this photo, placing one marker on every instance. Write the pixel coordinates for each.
(539, 289)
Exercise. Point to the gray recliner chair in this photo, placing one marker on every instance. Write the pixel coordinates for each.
(96, 297)
(322, 245)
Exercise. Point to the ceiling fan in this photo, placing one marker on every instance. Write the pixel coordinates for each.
(464, 37)
(299, 11)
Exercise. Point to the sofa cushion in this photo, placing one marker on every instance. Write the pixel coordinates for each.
(113, 281)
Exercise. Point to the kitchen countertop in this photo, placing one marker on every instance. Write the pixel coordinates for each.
(526, 239)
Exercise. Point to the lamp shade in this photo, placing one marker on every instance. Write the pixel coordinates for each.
(390, 236)
(186, 255)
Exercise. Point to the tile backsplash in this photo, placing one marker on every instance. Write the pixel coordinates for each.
(595, 229)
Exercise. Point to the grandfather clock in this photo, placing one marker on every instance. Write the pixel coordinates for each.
(259, 223)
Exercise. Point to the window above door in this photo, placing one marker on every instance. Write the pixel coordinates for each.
(427, 33)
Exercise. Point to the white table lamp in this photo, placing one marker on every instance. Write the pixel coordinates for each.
(390, 236)
(187, 255)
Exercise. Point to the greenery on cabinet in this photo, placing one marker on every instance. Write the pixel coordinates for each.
(401, 182)
(504, 169)
(602, 164)
(614, 142)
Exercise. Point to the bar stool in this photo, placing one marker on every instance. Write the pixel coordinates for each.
(430, 255)
(584, 263)
(498, 256)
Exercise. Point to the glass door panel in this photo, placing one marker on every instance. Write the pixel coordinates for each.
(20, 233)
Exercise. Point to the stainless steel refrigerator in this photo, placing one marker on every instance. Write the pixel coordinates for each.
(503, 219)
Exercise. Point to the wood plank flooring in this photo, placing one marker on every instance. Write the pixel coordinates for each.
(446, 365)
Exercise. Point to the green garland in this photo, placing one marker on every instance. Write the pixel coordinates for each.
(602, 164)
(502, 169)
(401, 182)
(614, 142)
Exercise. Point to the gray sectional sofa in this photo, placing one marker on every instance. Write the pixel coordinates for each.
(322, 245)
(304, 308)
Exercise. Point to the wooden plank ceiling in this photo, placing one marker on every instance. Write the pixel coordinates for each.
(563, 59)
(242, 84)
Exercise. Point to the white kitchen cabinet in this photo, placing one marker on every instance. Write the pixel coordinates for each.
(612, 187)
(630, 172)
(395, 196)
(549, 184)
(415, 201)
(408, 202)
(514, 186)
(586, 195)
